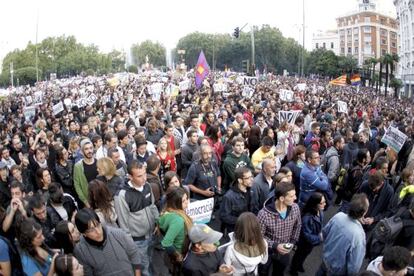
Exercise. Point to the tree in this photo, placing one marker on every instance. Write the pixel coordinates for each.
(322, 62)
(396, 84)
(154, 51)
(381, 62)
(26, 75)
(117, 60)
(388, 62)
(132, 69)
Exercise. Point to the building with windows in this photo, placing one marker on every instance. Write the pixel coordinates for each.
(328, 40)
(405, 69)
(367, 33)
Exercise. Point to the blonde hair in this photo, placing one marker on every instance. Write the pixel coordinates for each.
(169, 151)
(107, 166)
(74, 143)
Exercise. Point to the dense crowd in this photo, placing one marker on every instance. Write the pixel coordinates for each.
(102, 186)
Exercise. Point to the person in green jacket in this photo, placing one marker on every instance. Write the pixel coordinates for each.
(175, 224)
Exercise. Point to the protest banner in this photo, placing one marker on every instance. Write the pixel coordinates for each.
(289, 116)
(184, 85)
(220, 87)
(342, 107)
(68, 102)
(249, 81)
(91, 99)
(301, 86)
(286, 95)
(394, 138)
(200, 211)
(29, 112)
(81, 102)
(247, 91)
(28, 100)
(57, 108)
(38, 98)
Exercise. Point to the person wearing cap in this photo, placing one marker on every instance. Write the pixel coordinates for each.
(203, 258)
(85, 171)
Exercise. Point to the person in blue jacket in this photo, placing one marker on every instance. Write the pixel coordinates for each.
(313, 179)
(311, 231)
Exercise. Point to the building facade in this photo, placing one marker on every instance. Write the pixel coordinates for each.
(367, 33)
(405, 69)
(328, 40)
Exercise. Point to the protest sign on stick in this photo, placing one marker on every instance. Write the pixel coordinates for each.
(289, 116)
(394, 138)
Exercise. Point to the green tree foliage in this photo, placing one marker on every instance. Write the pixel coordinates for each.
(323, 62)
(396, 84)
(155, 52)
(133, 69)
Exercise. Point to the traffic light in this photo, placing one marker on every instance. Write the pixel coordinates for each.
(246, 66)
(236, 33)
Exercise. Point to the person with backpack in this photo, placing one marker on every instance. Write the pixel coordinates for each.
(313, 179)
(354, 178)
(405, 236)
(332, 162)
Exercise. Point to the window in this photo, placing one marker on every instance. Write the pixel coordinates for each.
(383, 32)
(332, 45)
(349, 31)
(367, 38)
(393, 45)
(383, 21)
(393, 35)
(324, 45)
(383, 52)
(342, 32)
(343, 50)
(367, 19)
(356, 50)
(317, 45)
(383, 41)
(356, 31)
(367, 29)
(349, 50)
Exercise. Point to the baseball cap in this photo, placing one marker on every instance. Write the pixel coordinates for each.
(203, 233)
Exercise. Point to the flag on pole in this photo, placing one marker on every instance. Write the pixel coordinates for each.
(341, 81)
(355, 80)
(202, 70)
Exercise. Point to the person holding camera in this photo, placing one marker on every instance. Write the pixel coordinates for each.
(203, 177)
(238, 199)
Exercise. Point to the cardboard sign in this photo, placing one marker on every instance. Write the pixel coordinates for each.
(184, 85)
(247, 92)
(57, 108)
(200, 211)
(156, 88)
(38, 98)
(68, 102)
(286, 95)
(91, 99)
(220, 87)
(301, 86)
(342, 107)
(81, 102)
(394, 138)
(289, 116)
(29, 112)
(252, 81)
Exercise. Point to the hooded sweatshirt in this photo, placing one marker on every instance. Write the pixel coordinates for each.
(231, 163)
(374, 265)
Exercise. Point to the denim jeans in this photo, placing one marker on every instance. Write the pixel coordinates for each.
(145, 248)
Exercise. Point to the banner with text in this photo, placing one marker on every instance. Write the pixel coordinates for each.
(286, 95)
(342, 107)
(289, 116)
(200, 211)
(394, 138)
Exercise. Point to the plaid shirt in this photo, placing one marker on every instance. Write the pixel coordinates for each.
(276, 230)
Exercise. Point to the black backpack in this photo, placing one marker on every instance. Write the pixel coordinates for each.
(385, 233)
(15, 261)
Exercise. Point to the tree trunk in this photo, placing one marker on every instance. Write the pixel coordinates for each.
(380, 77)
(386, 79)
(373, 74)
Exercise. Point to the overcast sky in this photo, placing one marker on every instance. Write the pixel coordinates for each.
(118, 24)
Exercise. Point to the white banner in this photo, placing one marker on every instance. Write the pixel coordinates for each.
(342, 107)
(184, 85)
(68, 102)
(286, 95)
(289, 116)
(301, 86)
(394, 138)
(156, 88)
(220, 87)
(29, 112)
(247, 92)
(91, 99)
(38, 98)
(57, 108)
(81, 102)
(200, 211)
(252, 81)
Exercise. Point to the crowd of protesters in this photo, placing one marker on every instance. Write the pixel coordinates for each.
(102, 189)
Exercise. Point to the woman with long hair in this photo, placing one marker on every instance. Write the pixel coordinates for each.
(108, 175)
(311, 231)
(43, 180)
(68, 265)
(64, 170)
(175, 224)
(248, 248)
(101, 201)
(37, 257)
(253, 141)
(68, 236)
(166, 155)
(214, 141)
